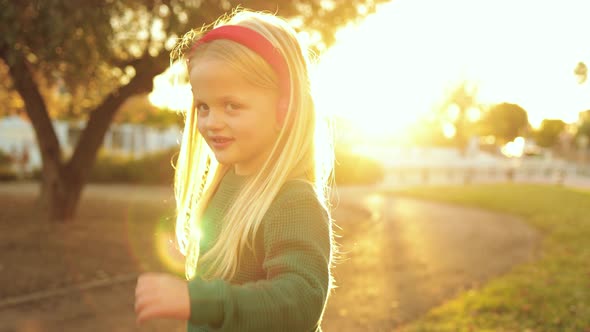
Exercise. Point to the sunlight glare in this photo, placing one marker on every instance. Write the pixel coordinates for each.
(473, 114)
(170, 91)
(393, 68)
(449, 130)
(515, 148)
(453, 112)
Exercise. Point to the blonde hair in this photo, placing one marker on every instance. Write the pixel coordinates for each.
(294, 155)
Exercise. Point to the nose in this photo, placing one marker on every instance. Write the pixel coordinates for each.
(214, 120)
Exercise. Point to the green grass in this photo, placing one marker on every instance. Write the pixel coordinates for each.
(549, 294)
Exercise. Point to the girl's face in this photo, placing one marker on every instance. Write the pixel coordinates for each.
(237, 118)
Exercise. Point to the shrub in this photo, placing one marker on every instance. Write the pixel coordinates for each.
(5, 158)
(157, 169)
(151, 169)
(7, 171)
(350, 169)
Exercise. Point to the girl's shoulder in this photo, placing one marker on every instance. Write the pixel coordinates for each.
(296, 194)
(295, 188)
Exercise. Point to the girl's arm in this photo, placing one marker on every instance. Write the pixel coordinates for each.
(297, 245)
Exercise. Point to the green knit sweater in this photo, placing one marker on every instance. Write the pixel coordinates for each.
(285, 285)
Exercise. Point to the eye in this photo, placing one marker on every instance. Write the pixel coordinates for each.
(232, 107)
(202, 108)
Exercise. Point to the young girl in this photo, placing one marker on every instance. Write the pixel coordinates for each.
(251, 190)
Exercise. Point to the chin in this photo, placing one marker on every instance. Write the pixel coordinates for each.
(223, 159)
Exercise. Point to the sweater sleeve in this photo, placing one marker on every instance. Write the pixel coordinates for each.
(297, 251)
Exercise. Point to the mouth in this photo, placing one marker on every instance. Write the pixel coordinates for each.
(219, 142)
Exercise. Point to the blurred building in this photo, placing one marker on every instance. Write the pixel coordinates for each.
(17, 139)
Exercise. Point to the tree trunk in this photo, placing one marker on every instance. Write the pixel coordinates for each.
(62, 183)
(460, 135)
(52, 188)
(59, 197)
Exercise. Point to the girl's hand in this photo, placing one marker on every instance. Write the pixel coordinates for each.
(160, 295)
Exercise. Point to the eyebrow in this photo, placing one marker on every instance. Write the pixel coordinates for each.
(221, 98)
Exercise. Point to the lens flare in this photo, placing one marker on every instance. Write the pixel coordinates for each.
(167, 249)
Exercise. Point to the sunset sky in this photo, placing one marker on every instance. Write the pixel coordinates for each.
(399, 61)
(397, 64)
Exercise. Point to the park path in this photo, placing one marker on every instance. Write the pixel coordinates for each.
(400, 258)
(411, 255)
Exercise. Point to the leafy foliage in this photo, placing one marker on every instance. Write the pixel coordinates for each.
(454, 110)
(154, 168)
(548, 133)
(84, 59)
(581, 72)
(81, 51)
(138, 109)
(505, 121)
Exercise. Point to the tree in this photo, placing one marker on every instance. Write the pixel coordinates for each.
(428, 132)
(548, 134)
(138, 109)
(505, 122)
(582, 131)
(581, 72)
(455, 109)
(94, 55)
(9, 99)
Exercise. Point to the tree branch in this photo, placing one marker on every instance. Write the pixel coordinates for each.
(35, 107)
(146, 68)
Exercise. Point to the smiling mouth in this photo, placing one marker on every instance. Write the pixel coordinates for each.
(221, 140)
(219, 143)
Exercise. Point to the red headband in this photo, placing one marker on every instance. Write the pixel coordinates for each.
(263, 47)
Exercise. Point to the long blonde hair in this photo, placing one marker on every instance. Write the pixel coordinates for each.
(294, 155)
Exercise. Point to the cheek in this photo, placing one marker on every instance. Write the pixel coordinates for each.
(201, 126)
(253, 131)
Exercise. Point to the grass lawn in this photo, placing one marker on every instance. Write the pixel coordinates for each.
(550, 294)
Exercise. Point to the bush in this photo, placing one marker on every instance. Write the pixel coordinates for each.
(354, 169)
(157, 169)
(7, 171)
(5, 158)
(152, 169)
